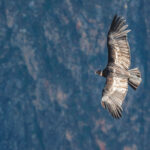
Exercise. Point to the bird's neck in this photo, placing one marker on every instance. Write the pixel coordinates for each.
(104, 74)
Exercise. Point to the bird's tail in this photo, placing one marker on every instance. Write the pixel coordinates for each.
(135, 78)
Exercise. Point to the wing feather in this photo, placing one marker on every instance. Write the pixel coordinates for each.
(114, 94)
(118, 47)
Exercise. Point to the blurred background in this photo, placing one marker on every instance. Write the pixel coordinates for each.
(49, 94)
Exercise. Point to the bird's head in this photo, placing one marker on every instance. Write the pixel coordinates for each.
(99, 72)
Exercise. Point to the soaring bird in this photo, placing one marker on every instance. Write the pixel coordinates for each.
(117, 72)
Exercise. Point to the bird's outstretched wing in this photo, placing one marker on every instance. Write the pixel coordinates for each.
(118, 47)
(113, 95)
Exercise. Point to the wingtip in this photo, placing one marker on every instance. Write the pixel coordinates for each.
(114, 110)
(117, 23)
(115, 16)
(118, 114)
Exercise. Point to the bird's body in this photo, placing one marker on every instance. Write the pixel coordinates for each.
(117, 72)
(114, 70)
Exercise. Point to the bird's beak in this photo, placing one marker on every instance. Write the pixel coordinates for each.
(95, 72)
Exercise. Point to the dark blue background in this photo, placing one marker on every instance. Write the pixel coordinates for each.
(49, 94)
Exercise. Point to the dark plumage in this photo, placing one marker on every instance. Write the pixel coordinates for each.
(117, 72)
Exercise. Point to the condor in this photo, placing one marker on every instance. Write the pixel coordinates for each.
(117, 72)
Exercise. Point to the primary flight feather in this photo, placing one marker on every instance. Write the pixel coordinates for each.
(117, 72)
